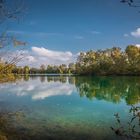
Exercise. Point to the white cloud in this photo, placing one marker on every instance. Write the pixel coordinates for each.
(40, 55)
(136, 33)
(31, 58)
(23, 56)
(138, 45)
(55, 55)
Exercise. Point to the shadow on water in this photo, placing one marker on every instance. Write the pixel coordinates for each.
(19, 125)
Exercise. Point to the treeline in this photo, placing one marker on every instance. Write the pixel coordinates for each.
(112, 61)
(50, 69)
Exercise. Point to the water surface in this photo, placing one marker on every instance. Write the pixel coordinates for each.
(72, 108)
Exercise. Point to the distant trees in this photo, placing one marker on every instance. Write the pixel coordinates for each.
(111, 61)
(34, 70)
(42, 69)
(71, 68)
(63, 68)
(26, 70)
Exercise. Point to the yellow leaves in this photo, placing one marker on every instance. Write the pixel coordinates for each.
(18, 43)
(132, 51)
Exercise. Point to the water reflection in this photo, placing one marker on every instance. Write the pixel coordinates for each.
(112, 89)
(53, 110)
(40, 87)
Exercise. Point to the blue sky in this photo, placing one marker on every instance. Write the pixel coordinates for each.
(77, 25)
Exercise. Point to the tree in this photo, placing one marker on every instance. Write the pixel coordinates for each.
(132, 3)
(26, 70)
(71, 67)
(42, 68)
(34, 70)
(9, 10)
(63, 68)
(49, 69)
(109, 61)
(133, 53)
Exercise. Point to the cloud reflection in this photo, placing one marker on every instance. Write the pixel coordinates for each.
(39, 90)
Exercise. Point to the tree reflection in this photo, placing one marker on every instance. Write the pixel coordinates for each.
(42, 79)
(26, 77)
(62, 79)
(110, 88)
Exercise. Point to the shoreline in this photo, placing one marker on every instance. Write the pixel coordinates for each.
(88, 75)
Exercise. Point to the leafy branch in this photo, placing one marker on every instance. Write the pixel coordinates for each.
(133, 129)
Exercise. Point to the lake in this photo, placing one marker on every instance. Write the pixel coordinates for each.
(66, 107)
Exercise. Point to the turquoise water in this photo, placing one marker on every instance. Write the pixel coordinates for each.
(72, 108)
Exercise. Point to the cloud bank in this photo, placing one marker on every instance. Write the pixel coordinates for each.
(55, 55)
